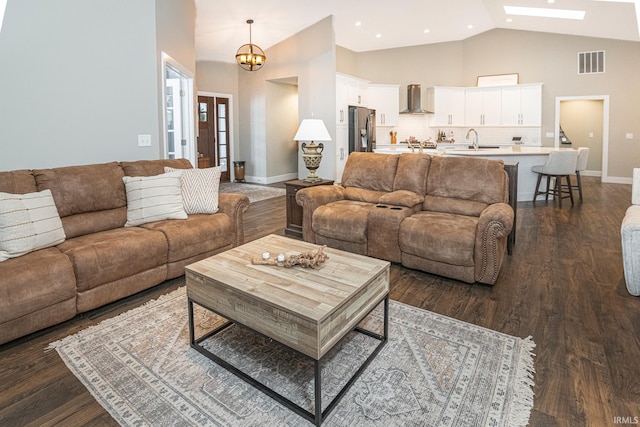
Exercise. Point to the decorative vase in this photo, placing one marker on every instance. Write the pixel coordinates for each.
(394, 137)
(312, 155)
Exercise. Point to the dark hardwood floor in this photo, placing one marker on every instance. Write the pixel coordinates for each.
(563, 285)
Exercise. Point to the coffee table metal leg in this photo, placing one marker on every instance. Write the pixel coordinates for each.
(318, 392)
(319, 415)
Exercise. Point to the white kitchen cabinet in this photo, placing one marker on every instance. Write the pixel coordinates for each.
(522, 105)
(349, 91)
(483, 106)
(447, 105)
(357, 91)
(342, 100)
(385, 100)
(342, 150)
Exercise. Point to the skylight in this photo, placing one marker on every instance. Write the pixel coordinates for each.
(543, 12)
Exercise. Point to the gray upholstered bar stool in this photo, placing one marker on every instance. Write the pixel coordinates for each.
(581, 165)
(561, 164)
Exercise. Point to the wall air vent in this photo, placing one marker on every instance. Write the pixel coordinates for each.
(591, 62)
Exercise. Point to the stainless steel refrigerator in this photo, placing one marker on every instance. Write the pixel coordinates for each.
(362, 129)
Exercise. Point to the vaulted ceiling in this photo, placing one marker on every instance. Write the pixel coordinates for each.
(221, 25)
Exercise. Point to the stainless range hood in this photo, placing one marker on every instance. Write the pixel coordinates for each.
(414, 100)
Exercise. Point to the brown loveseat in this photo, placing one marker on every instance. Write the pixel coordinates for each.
(101, 260)
(443, 215)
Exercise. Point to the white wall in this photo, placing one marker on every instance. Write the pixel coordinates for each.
(80, 81)
(282, 124)
(309, 55)
(537, 58)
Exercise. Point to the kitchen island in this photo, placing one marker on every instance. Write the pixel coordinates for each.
(526, 156)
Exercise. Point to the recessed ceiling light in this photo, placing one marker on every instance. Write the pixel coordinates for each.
(378, 35)
(427, 31)
(542, 12)
(358, 23)
(509, 20)
(551, 1)
(469, 26)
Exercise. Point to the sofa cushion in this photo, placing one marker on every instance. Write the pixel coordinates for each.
(412, 172)
(28, 222)
(153, 167)
(454, 206)
(343, 220)
(370, 171)
(199, 234)
(153, 198)
(199, 189)
(18, 182)
(37, 290)
(95, 192)
(464, 178)
(362, 195)
(111, 255)
(441, 237)
(33, 282)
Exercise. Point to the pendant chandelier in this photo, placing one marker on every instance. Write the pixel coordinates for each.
(249, 56)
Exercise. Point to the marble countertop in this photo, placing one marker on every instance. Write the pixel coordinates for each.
(482, 152)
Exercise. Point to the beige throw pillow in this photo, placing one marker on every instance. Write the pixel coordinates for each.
(199, 189)
(153, 198)
(28, 222)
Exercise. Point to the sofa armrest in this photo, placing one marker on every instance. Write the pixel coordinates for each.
(630, 233)
(234, 205)
(310, 199)
(494, 225)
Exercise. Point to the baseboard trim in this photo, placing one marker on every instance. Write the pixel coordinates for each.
(271, 179)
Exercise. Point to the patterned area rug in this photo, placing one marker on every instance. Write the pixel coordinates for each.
(434, 371)
(254, 192)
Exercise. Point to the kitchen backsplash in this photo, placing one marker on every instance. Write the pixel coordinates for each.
(418, 127)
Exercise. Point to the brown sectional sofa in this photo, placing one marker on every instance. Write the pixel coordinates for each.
(101, 260)
(444, 215)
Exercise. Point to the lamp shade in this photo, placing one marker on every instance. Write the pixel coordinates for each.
(312, 130)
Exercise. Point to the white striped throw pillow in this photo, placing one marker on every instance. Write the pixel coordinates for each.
(28, 222)
(153, 198)
(199, 189)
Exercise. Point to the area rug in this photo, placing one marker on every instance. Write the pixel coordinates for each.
(255, 193)
(434, 371)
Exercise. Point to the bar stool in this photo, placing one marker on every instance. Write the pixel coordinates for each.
(561, 164)
(581, 165)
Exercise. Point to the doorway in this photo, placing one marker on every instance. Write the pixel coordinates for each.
(178, 121)
(585, 122)
(214, 140)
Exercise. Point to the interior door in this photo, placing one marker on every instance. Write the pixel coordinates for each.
(213, 138)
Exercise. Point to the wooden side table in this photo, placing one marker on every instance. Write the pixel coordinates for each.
(294, 211)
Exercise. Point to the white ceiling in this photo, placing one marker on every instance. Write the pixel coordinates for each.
(221, 26)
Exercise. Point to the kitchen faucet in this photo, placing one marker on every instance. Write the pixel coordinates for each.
(475, 138)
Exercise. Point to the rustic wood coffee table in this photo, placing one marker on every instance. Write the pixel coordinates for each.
(307, 310)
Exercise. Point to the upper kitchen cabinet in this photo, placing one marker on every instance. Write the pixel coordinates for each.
(483, 106)
(447, 105)
(522, 105)
(385, 99)
(349, 91)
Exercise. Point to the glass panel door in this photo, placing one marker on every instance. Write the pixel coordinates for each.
(179, 123)
(222, 130)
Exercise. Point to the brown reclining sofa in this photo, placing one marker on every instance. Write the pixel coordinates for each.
(101, 260)
(443, 215)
